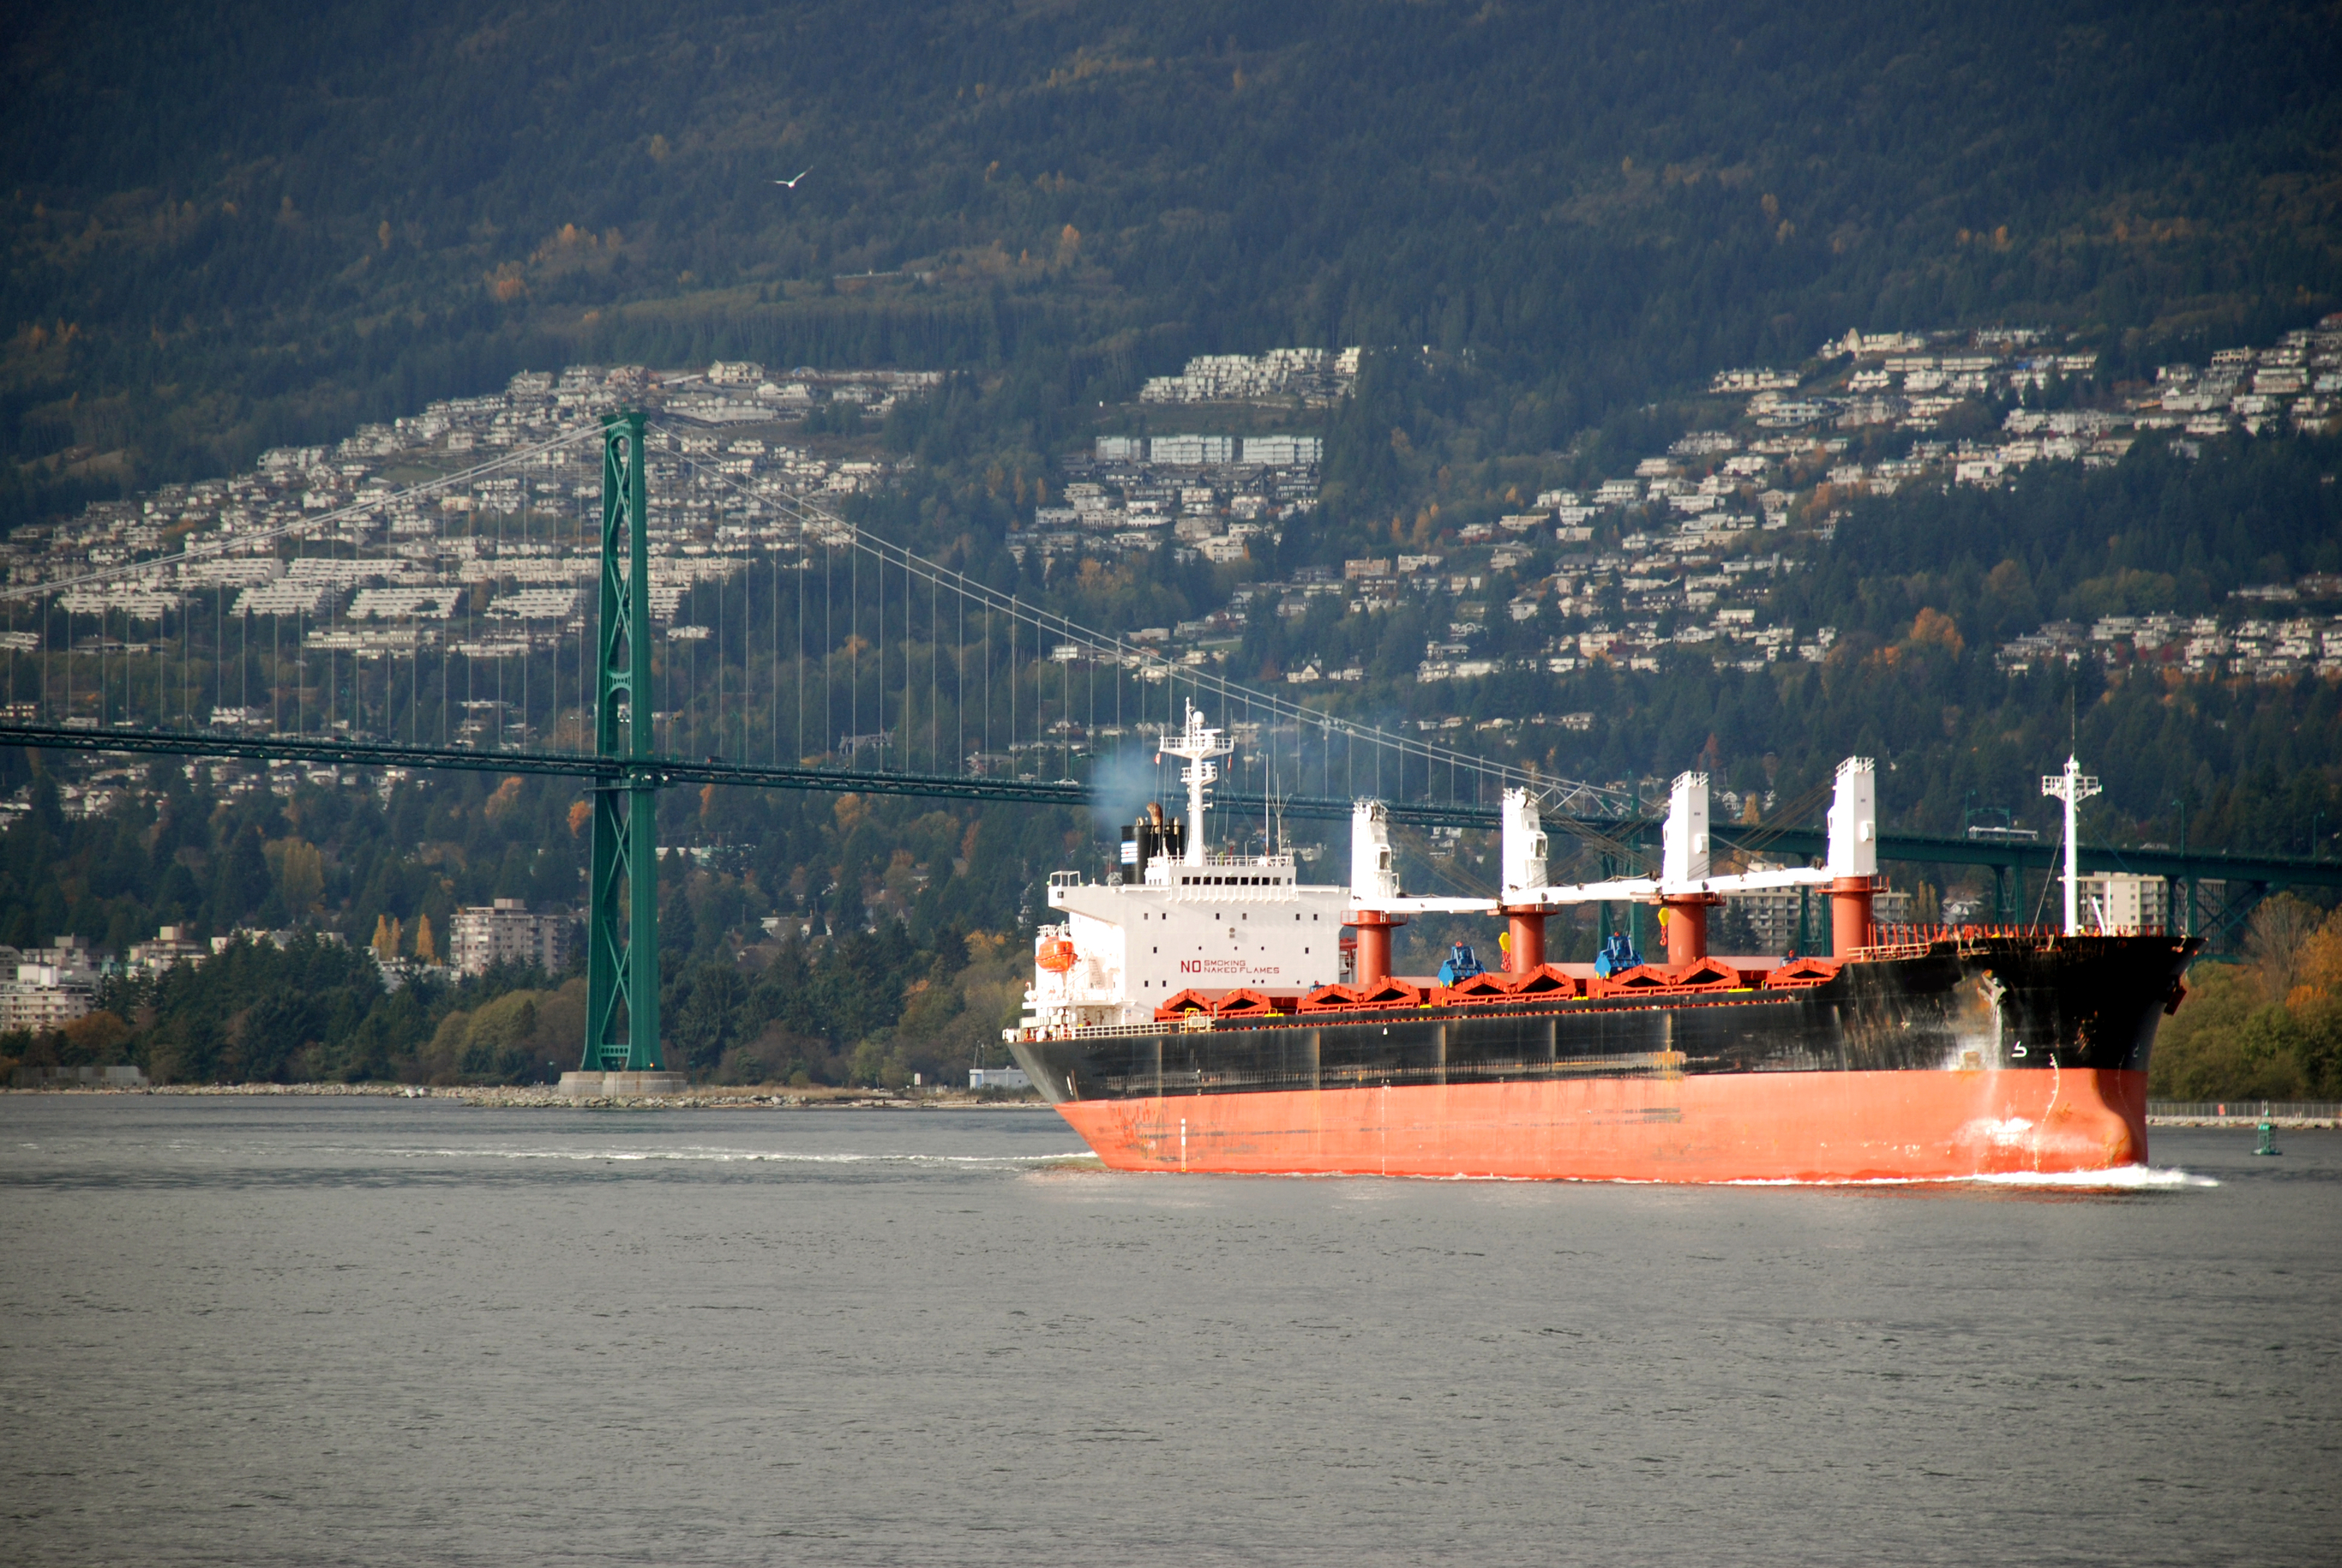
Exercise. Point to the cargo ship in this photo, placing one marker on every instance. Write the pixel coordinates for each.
(1209, 1012)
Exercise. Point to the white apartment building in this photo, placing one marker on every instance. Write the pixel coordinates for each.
(1773, 915)
(506, 931)
(2121, 901)
(1192, 451)
(1284, 451)
(51, 987)
(172, 946)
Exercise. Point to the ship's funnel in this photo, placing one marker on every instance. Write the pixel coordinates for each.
(1684, 853)
(1524, 852)
(1853, 820)
(1374, 872)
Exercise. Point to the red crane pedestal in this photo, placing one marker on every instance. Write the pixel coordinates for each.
(1374, 927)
(1850, 898)
(1686, 926)
(1525, 950)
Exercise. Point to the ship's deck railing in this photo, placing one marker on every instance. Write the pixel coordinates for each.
(1892, 942)
(1092, 1031)
(1883, 952)
(1172, 865)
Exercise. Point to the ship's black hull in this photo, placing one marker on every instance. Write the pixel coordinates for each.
(2008, 1004)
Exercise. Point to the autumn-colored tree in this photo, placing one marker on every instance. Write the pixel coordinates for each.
(2281, 931)
(1932, 627)
(97, 1037)
(507, 796)
(300, 872)
(2268, 1029)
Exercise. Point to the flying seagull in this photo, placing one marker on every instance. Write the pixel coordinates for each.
(792, 184)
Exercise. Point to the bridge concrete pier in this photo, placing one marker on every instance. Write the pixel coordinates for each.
(620, 1086)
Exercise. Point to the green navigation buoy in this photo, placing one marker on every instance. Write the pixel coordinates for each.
(2268, 1132)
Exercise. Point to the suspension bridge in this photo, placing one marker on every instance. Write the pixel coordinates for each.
(737, 633)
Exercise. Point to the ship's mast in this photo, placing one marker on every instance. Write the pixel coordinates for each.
(1198, 743)
(2073, 786)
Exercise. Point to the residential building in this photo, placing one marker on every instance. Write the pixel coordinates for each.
(1284, 451)
(507, 932)
(2123, 902)
(1773, 916)
(172, 946)
(51, 987)
(1192, 451)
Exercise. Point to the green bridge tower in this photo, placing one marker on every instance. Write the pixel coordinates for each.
(622, 967)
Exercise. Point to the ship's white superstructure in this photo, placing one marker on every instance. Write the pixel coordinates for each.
(1178, 916)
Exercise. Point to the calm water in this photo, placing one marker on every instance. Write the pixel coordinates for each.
(311, 1331)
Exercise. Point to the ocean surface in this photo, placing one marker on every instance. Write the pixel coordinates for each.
(306, 1331)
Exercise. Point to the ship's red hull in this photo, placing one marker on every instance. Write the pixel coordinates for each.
(1844, 1127)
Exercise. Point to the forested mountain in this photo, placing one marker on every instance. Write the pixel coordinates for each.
(259, 222)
